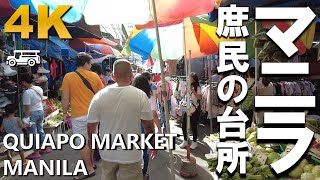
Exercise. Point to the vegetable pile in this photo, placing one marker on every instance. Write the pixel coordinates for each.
(255, 171)
(259, 168)
(55, 120)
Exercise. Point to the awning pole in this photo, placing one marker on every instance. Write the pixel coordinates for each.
(164, 93)
(256, 69)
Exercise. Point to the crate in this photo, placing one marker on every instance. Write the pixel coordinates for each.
(54, 130)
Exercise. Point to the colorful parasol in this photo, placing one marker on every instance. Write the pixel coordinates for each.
(199, 34)
(138, 12)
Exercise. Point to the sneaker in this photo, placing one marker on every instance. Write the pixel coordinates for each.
(41, 79)
(183, 144)
(4, 104)
(194, 145)
(7, 70)
(42, 70)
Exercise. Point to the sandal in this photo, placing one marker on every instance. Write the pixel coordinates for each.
(32, 156)
(94, 166)
(85, 176)
(25, 162)
(146, 176)
(45, 151)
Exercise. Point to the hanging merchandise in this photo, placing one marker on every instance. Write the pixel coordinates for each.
(53, 69)
(41, 69)
(171, 67)
(156, 67)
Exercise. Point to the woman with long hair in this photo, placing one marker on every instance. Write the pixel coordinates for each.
(195, 96)
(142, 83)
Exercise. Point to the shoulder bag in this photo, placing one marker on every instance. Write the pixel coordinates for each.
(85, 82)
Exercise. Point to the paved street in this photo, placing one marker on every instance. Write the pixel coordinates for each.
(158, 168)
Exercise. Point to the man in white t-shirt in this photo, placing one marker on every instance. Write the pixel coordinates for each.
(120, 109)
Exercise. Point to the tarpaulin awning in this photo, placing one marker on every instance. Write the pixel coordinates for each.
(46, 48)
(63, 46)
(72, 16)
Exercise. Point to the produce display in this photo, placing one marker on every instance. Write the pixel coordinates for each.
(58, 118)
(258, 166)
(55, 120)
(255, 171)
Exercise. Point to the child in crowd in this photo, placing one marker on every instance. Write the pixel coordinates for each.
(13, 125)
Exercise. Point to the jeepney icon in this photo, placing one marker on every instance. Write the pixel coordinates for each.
(24, 57)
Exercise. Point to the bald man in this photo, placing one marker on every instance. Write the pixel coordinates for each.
(120, 109)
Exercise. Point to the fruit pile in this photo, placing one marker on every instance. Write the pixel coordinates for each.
(305, 171)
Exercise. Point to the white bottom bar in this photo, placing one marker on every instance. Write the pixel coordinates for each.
(285, 68)
(285, 101)
(284, 117)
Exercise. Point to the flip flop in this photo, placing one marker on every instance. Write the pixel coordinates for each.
(147, 176)
(31, 156)
(45, 151)
(85, 176)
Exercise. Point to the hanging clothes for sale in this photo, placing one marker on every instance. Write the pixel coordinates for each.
(53, 69)
(156, 67)
(172, 67)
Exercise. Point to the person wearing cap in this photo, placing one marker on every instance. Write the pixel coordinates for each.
(78, 89)
(121, 109)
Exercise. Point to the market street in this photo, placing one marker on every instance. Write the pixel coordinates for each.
(158, 168)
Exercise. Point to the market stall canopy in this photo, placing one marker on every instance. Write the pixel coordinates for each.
(143, 42)
(72, 16)
(200, 38)
(46, 48)
(78, 29)
(5, 8)
(64, 47)
(170, 12)
(138, 12)
(103, 41)
(100, 60)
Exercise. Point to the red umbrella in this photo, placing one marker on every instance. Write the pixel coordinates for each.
(103, 49)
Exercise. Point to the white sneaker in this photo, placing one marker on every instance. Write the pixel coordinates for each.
(183, 144)
(42, 70)
(7, 70)
(194, 145)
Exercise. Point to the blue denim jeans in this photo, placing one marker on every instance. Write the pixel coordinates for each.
(163, 115)
(37, 128)
(145, 156)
